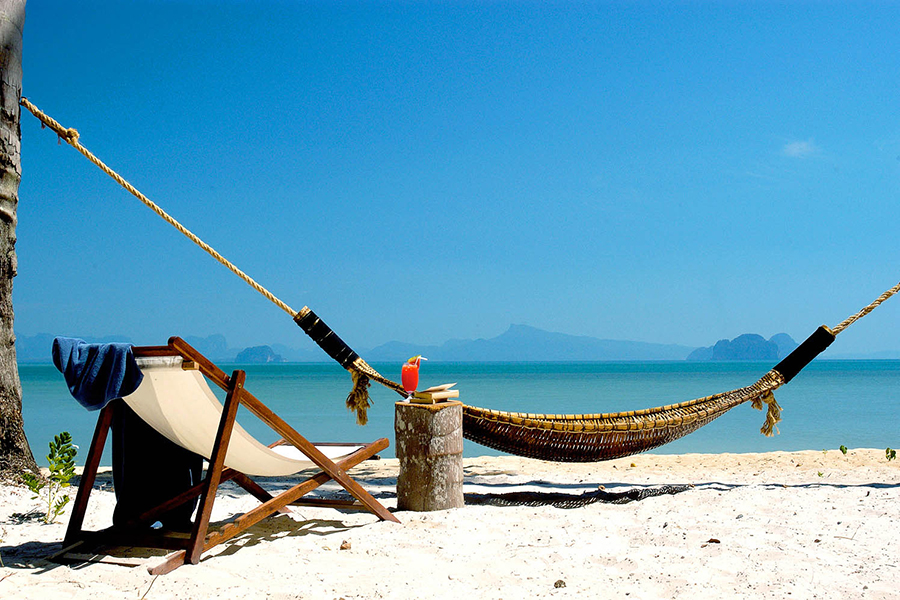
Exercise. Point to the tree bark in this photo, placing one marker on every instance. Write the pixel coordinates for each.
(15, 454)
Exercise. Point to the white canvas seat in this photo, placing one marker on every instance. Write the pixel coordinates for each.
(180, 405)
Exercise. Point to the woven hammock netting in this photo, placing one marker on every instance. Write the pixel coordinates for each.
(590, 438)
(562, 438)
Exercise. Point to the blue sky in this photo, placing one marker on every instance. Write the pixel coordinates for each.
(419, 171)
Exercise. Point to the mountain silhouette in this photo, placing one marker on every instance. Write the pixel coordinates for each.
(522, 343)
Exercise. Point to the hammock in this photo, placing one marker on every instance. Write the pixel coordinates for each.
(563, 438)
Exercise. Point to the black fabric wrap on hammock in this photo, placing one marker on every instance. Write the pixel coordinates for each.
(358, 399)
(803, 354)
(327, 339)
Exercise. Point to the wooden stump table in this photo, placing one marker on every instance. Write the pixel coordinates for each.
(429, 445)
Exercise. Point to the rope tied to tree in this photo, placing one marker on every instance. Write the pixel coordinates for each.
(358, 400)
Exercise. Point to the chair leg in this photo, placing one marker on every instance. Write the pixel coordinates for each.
(88, 476)
(214, 471)
(256, 490)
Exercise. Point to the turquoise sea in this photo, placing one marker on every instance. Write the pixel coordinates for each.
(855, 403)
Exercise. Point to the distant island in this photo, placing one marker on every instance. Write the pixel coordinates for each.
(748, 346)
(257, 355)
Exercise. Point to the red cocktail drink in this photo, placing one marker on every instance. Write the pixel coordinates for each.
(409, 374)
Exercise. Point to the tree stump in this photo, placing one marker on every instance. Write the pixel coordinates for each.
(429, 446)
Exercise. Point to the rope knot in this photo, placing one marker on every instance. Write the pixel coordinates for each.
(70, 134)
(773, 414)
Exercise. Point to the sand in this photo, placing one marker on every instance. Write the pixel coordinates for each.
(777, 525)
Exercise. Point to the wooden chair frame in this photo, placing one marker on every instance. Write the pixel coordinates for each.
(203, 537)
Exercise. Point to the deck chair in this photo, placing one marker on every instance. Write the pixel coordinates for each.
(176, 401)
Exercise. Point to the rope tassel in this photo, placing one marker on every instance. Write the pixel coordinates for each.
(773, 414)
(358, 398)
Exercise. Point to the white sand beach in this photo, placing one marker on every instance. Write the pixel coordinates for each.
(777, 525)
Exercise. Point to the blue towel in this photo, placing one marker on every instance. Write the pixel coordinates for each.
(96, 373)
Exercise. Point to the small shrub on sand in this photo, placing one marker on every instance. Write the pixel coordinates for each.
(62, 468)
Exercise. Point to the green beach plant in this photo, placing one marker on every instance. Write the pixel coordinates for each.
(62, 468)
(890, 454)
(843, 449)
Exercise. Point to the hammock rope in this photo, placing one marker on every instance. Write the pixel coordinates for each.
(875, 304)
(578, 438)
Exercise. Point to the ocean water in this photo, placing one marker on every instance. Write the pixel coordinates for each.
(831, 403)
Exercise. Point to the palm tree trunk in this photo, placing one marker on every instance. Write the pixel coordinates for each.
(15, 454)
